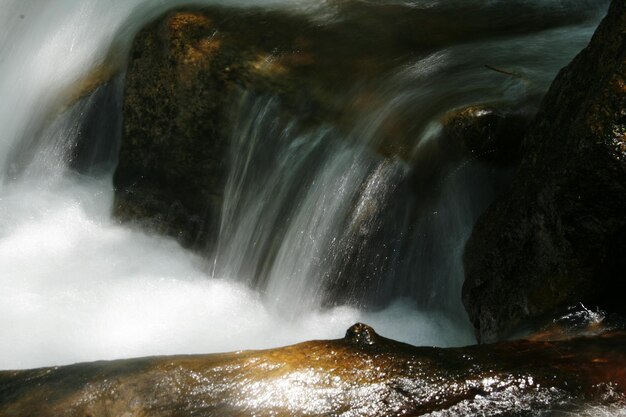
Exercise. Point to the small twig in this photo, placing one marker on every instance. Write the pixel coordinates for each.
(501, 71)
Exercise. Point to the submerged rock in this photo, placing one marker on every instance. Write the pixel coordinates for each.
(559, 236)
(361, 375)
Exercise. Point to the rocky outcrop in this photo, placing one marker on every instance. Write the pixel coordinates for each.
(362, 374)
(559, 235)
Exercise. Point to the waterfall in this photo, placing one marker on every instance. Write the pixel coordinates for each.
(318, 229)
(312, 218)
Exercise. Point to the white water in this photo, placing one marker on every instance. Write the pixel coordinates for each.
(75, 286)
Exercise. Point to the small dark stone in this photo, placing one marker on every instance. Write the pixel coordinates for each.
(362, 335)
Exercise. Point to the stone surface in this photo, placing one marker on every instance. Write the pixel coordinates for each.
(361, 375)
(559, 236)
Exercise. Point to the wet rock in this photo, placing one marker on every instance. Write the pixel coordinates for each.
(361, 335)
(171, 159)
(488, 132)
(185, 75)
(335, 377)
(558, 237)
(575, 321)
(99, 130)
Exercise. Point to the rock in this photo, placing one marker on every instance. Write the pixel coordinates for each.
(334, 377)
(186, 73)
(172, 159)
(185, 76)
(488, 132)
(559, 236)
(362, 335)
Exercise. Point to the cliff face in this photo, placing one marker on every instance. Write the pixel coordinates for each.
(558, 236)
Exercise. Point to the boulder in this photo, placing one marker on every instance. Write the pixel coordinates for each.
(172, 158)
(558, 237)
(184, 79)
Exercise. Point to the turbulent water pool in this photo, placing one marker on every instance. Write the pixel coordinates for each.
(75, 285)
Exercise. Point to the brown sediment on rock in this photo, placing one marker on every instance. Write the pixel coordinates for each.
(185, 73)
(362, 374)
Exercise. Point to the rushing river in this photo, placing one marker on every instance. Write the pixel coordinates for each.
(77, 286)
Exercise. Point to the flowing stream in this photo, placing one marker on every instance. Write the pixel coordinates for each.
(304, 213)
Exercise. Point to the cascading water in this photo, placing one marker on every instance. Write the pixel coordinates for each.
(316, 219)
(315, 225)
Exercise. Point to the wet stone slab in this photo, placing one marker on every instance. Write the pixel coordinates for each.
(363, 374)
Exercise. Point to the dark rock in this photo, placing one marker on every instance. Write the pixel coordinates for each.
(335, 377)
(362, 335)
(559, 236)
(98, 136)
(183, 81)
(488, 132)
(185, 76)
(167, 176)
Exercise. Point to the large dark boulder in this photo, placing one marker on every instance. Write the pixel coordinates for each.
(186, 74)
(558, 237)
